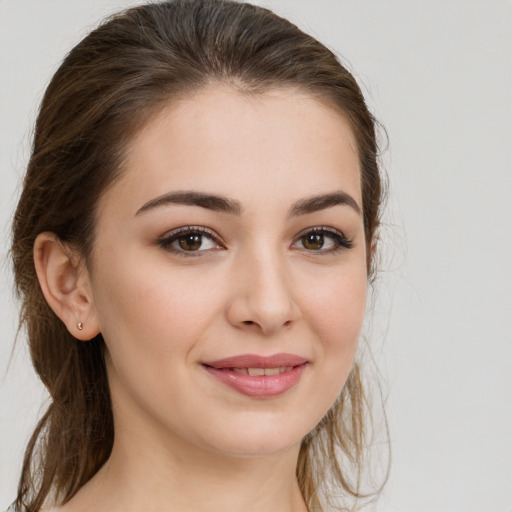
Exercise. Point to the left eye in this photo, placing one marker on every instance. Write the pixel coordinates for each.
(189, 240)
(322, 239)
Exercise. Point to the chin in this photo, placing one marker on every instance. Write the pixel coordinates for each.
(257, 439)
(258, 448)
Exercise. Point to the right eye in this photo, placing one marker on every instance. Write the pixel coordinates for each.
(190, 240)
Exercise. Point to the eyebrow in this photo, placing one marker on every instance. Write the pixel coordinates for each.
(192, 198)
(322, 202)
(223, 204)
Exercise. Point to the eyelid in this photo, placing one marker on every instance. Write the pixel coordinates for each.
(166, 240)
(342, 241)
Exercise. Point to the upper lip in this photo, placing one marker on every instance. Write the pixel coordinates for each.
(257, 361)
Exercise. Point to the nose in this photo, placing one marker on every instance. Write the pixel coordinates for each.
(262, 298)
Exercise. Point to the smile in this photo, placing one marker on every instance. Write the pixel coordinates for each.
(258, 376)
(262, 371)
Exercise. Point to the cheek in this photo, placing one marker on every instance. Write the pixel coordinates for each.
(336, 313)
(346, 313)
(153, 321)
(149, 314)
(336, 308)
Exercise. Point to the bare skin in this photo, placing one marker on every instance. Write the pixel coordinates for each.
(280, 269)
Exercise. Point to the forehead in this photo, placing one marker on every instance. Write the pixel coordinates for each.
(220, 140)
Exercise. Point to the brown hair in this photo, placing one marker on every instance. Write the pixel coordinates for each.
(108, 86)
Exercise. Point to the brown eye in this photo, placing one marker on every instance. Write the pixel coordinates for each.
(322, 240)
(191, 242)
(313, 241)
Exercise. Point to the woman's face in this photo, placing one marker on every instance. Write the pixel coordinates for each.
(228, 273)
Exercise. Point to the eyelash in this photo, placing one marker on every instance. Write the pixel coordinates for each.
(167, 241)
(341, 241)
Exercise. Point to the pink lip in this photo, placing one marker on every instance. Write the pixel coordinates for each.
(258, 386)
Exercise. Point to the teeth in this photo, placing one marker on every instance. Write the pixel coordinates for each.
(256, 371)
(265, 371)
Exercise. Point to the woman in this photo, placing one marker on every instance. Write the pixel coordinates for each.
(192, 246)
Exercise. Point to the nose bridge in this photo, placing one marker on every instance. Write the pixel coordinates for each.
(264, 294)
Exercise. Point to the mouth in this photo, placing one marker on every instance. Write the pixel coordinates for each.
(258, 376)
(253, 372)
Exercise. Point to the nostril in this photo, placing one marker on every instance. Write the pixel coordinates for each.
(248, 322)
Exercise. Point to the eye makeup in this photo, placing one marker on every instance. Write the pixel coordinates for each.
(191, 241)
(322, 239)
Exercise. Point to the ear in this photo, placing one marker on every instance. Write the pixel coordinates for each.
(65, 283)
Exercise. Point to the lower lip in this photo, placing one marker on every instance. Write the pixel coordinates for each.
(259, 386)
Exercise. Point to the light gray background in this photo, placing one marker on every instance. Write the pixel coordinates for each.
(438, 74)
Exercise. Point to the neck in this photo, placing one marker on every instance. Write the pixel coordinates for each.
(144, 474)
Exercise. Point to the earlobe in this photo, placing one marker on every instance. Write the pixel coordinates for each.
(65, 285)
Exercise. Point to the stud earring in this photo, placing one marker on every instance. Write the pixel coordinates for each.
(80, 326)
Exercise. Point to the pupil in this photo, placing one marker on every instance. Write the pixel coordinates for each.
(313, 241)
(190, 242)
